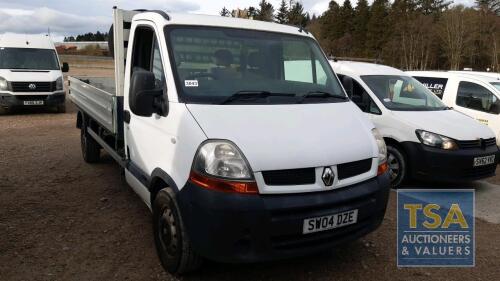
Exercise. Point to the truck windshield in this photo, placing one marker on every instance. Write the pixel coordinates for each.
(215, 65)
(28, 58)
(403, 93)
(496, 85)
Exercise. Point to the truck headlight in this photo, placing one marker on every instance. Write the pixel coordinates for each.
(220, 165)
(435, 140)
(4, 85)
(382, 152)
(382, 148)
(59, 84)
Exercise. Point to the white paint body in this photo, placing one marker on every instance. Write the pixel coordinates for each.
(27, 75)
(401, 125)
(272, 137)
(451, 91)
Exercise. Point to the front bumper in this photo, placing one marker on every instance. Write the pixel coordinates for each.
(428, 163)
(248, 228)
(49, 99)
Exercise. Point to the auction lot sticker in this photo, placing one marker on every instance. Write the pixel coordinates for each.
(436, 228)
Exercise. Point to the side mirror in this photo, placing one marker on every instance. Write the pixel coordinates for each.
(348, 85)
(144, 98)
(65, 67)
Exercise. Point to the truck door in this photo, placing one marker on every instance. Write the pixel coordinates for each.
(146, 138)
(478, 102)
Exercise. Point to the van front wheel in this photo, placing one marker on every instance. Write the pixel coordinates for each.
(172, 243)
(397, 166)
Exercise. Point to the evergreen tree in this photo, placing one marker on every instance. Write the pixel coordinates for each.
(225, 12)
(346, 17)
(376, 35)
(265, 12)
(282, 15)
(296, 15)
(435, 7)
(360, 23)
(252, 12)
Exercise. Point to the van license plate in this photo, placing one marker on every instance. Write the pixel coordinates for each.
(486, 160)
(330, 222)
(33, 102)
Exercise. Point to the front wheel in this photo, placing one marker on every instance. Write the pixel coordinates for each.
(172, 243)
(397, 166)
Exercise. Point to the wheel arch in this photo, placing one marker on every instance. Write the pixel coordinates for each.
(160, 180)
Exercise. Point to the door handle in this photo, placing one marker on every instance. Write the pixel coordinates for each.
(126, 116)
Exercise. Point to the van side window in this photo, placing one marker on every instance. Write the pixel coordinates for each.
(146, 54)
(435, 85)
(477, 97)
(157, 65)
(360, 97)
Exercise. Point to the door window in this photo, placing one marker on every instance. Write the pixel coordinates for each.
(477, 97)
(360, 97)
(146, 54)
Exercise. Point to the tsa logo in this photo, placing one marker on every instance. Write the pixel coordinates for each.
(436, 228)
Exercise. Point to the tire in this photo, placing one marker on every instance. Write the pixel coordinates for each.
(172, 243)
(398, 168)
(91, 150)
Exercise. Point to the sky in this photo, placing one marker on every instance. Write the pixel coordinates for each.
(73, 17)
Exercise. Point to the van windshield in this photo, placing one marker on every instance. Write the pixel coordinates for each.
(496, 85)
(28, 58)
(215, 65)
(403, 93)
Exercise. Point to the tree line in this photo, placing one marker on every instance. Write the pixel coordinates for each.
(90, 36)
(407, 34)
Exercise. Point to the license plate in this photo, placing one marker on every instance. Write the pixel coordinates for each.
(33, 102)
(485, 160)
(330, 222)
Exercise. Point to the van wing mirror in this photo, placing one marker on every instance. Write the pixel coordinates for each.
(65, 67)
(144, 96)
(348, 85)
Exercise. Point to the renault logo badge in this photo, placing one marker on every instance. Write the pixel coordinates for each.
(328, 176)
(32, 86)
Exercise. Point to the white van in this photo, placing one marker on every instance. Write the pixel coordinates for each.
(425, 138)
(471, 93)
(30, 73)
(238, 161)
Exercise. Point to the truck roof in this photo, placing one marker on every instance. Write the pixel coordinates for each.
(364, 68)
(219, 21)
(26, 41)
(450, 74)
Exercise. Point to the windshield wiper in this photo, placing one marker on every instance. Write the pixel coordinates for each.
(253, 95)
(320, 94)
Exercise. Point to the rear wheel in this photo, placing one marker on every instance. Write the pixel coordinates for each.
(172, 243)
(397, 166)
(91, 150)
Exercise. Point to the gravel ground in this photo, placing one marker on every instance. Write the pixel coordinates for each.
(62, 219)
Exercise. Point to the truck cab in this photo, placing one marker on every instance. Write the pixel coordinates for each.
(239, 158)
(426, 139)
(475, 94)
(30, 73)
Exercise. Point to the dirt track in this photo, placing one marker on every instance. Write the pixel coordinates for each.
(62, 219)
